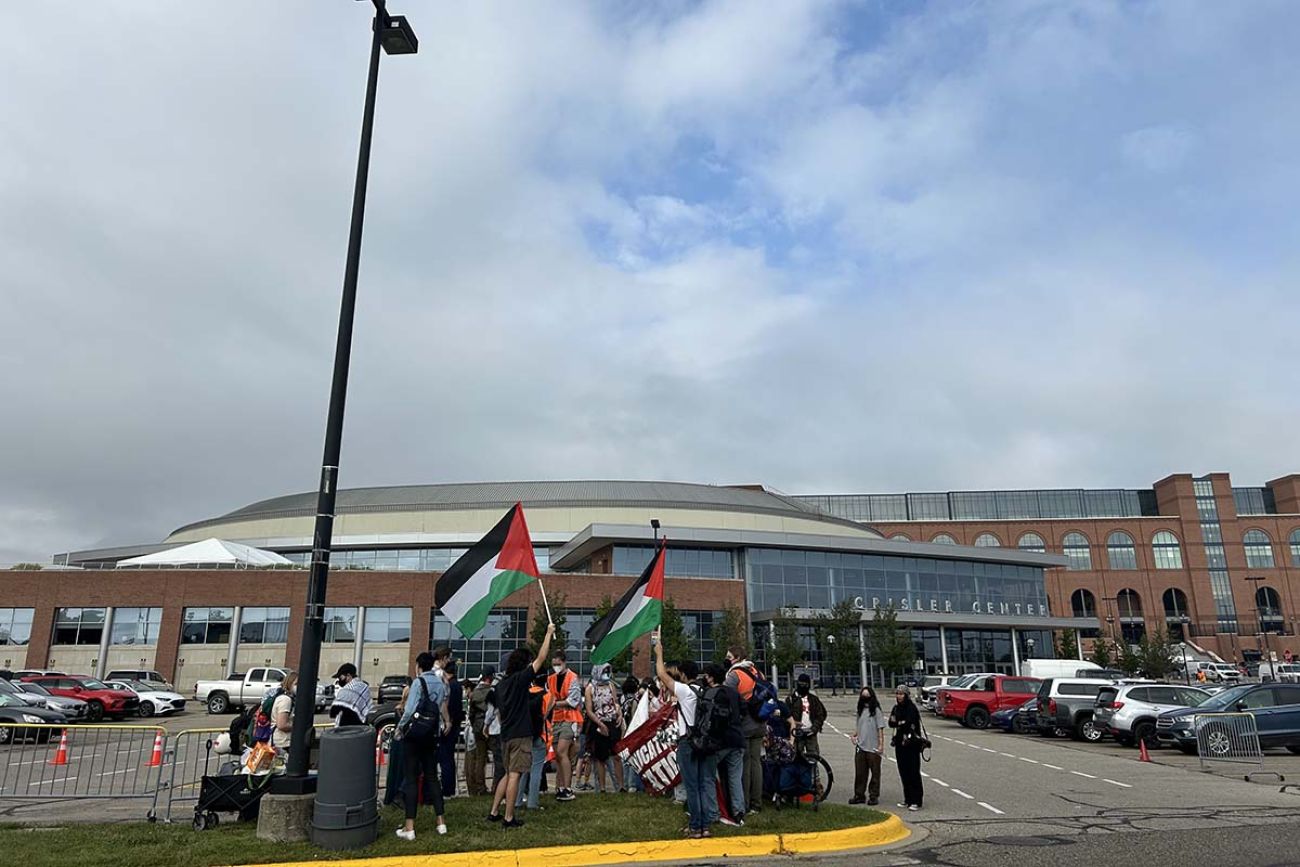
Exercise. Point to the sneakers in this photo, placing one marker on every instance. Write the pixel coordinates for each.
(513, 823)
(914, 807)
(408, 836)
(731, 823)
(442, 829)
(565, 795)
(491, 817)
(857, 800)
(873, 802)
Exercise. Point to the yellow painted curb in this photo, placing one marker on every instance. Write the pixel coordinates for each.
(883, 833)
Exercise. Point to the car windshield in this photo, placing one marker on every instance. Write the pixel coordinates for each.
(89, 683)
(1227, 698)
(35, 689)
(7, 700)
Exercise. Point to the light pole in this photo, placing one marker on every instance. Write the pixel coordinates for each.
(1029, 643)
(830, 661)
(1259, 621)
(393, 34)
(654, 522)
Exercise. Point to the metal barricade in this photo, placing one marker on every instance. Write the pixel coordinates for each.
(1228, 738)
(62, 762)
(190, 756)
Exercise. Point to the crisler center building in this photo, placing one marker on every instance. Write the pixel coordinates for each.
(969, 607)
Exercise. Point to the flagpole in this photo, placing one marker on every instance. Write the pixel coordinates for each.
(545, 604)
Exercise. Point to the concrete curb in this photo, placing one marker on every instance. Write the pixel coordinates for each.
(885, 833)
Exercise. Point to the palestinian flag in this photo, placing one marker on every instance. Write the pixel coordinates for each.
(501, 563)
(636, 613)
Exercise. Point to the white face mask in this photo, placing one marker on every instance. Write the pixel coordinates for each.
(557, 668)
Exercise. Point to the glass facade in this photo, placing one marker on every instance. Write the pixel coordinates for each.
(987, 540)
(1254, 501)
(135, 626)
(264, 625)
(16, 625)
(818, 579)
(576, 623)
(1294, 543)
(1077, 550)
(210, 625)
(1207, 509)
(506, 629)
(387, 626)
(1259, 549)
(988, 505)
(340, 625)
(1032, 542)
(1167, 552)
(403, 559)
(79, 625)
(682, 562)
(1121, 554)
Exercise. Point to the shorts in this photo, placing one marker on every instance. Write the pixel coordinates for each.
(564, 731)
(519, 755)
(602, 746)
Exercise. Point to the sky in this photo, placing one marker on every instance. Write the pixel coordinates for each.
(826, 247)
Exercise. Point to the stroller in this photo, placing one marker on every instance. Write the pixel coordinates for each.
(790, 777)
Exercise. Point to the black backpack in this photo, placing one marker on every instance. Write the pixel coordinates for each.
(712, 719)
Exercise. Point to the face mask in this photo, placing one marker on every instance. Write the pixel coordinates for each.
(557, 668)
(802, 690)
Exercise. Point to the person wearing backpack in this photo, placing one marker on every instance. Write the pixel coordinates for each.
(724, 707)
(698, 767)
(423, 724)
(754, 689)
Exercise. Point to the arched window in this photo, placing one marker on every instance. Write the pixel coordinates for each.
(1032, 542)
(1077, 551)
(987, 540)
(1175, 604)
(900, 537)
(1131, 624)
(1120, 553)
(1295, 547)
(1168, 553)
(944, 539)
(1270, 609)
(1259, 549)
(1083, 603)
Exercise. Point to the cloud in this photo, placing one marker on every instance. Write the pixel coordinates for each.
(833, 247)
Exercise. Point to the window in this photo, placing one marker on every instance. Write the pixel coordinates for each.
(1021, 687)
(1129, 604)
(901, 537)
(16, 625)
(1032, 542)
(1168, 553)
(681, 563)
(136, 626)
(388, 626)
(987, 540)
(78, 625)
(1259, 549)
(1120, 552)
(264, 626)
(1083, 603)
(206, 625)
(1260, 698)
(944, 539)
(1077, 550)
(1175, 602)
(1295, 547)
(1090, 689)
(340, 625)
(506, 629)
(1270, 609)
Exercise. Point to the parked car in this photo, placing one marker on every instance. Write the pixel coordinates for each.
(1216, 672)
(1041, 668)
(1128, 711)
(153, 700)
(974, 707)
(225, 696)
(1016, 720)
(144, 675)
(1066, 704)
(1287, 672)
(16, 713)
(960, 682)
(390, 688)
(101, 701)
(73, 708)
(34, 672)
(1275, 707)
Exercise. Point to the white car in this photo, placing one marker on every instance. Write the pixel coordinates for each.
(153, 701)
(1128, 711)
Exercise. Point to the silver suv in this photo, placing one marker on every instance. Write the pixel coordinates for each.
(1128, 711)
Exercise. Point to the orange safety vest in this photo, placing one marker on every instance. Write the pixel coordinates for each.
(559, 691)
(547, 704)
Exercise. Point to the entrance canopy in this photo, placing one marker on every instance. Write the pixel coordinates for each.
(209, 552)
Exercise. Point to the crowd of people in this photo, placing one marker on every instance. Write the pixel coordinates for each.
(737, 741)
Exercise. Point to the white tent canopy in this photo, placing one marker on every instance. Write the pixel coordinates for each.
(217, 552)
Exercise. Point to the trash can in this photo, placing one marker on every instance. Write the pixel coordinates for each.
(346, 814)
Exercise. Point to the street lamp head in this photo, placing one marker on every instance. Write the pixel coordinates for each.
(654, 522)
(396, 36)
(830, 639)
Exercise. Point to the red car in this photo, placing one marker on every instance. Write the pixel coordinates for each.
(100, 700)
(974, 707)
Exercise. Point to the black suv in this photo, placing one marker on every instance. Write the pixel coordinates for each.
(390, 688)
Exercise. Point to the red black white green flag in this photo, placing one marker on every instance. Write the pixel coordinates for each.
(501, 563)
(638, 611)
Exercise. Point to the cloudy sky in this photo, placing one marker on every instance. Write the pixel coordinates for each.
(829, 247)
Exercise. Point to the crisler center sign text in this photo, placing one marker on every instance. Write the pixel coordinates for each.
(909, 603)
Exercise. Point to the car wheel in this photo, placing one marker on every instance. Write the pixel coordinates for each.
(1017, 726)
(1086, 730)
(1145, 733)
(218, 703)
(1218, 741)
(6, 734)
(146, 709)
(1295, 751)
(977, 718)
(94, 711)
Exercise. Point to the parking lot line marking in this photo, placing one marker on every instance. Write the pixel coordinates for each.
(940, 782)
(1082, 774)
(955, 741)
(1008, 755)
(963, 794)
(987, 750)
(1053, 767)
(48, 782)
(991, 808)
(1031, 761)
(1116, 783)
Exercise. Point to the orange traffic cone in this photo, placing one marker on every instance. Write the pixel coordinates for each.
(379, 754)
(61, 756)
(1143, 755)
(155, 761)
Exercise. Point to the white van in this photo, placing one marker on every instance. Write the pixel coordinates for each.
(1044, 668)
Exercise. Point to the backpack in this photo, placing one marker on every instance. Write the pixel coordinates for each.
(762, 698)
(425, 722)
(712, 719)
(261, 726)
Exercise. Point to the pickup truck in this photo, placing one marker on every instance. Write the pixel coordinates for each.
(224, 696)
(975, 707)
